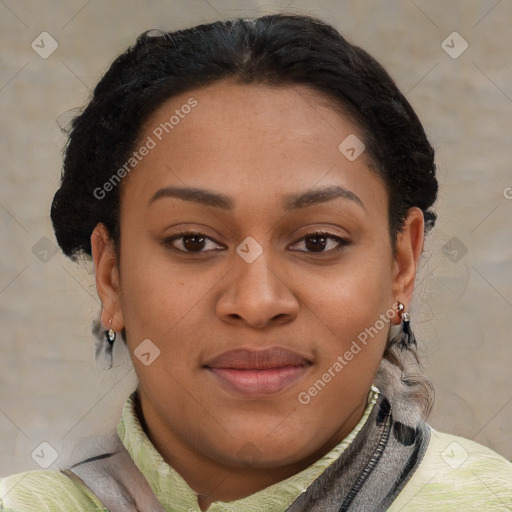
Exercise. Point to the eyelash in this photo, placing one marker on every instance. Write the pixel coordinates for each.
(342, 242)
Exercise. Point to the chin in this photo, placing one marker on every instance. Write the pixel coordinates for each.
(260, 452)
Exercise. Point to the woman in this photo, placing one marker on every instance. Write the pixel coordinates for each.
(255, 195)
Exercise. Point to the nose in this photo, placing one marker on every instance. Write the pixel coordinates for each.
(256, 295)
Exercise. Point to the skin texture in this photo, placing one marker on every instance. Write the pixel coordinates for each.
(255, 144)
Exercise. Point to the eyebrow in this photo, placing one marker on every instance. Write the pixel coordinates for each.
(291, 202)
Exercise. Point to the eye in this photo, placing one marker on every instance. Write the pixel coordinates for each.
(196, 242)
(190, 241)
(317, 242)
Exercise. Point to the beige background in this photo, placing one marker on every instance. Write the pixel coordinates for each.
(50, 389)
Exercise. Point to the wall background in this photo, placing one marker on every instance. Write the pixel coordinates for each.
(50, 388)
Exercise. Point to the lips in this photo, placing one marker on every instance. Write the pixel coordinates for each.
(258, 372)
(243, 359)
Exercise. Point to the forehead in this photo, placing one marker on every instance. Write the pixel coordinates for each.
(250, 138)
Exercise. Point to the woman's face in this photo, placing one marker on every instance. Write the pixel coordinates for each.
(247, 335)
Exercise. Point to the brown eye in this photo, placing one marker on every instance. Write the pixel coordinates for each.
(189, 242)
(318, 242)
(194, 242)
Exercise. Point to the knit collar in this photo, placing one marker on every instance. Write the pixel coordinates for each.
(175, 494)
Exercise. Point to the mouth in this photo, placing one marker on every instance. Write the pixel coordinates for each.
(258, 372)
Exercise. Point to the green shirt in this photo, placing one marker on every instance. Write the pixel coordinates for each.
(455, 474)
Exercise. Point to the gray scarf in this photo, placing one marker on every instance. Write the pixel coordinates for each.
(368, 476)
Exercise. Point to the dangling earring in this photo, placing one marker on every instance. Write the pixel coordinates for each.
(110, 334)
(406, 338)
(104, 345)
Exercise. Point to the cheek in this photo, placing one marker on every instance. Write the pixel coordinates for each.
(353, 327)
(352, 313)
(353, 296)
(155, 294)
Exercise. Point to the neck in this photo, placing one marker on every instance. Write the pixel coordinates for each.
(213, 480)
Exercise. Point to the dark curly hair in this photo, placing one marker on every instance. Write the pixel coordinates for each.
(278, 50)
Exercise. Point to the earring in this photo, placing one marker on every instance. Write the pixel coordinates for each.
(406, 339)
(104, 344)
(110, 334)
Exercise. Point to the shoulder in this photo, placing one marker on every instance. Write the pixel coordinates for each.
(33, 491)
(457, 474)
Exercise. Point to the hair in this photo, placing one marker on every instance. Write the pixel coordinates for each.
(274, 50)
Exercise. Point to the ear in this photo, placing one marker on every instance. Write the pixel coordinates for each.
(408, 251)
(107, 278)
